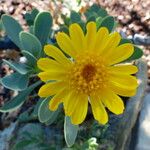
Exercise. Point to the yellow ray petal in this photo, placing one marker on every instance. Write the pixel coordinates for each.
(71, 102)
(113, 102)
(57, 99)
(98, 110)
(50, 89)
(123, 69)
(56, 53)
(52, 75)
(77, 37)
(121, 53)
(121, 80)
(122, 90)
(101, 39)
(80, 111)
(65, 44)
(111, 43)
(90, 37)
(47, 64)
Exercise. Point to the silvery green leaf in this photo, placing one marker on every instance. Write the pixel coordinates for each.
(12, 28)
(42, 26)
(45, 114)
(17, 101)
(19, 67)
(30, 43)
(70, 131)
(15, 81)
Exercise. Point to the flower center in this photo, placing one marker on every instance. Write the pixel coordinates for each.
(88, 74)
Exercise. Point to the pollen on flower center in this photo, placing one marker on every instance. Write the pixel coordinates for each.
(88, 74)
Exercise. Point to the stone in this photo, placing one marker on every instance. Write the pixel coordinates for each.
(143, 140)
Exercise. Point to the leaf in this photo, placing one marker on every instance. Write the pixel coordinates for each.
(42, 26)
(36, 108)
(102, 13)
(44, 113)
(123, 41)
(70, 132)
(53, 117)
(31, 60)
(75, 17)
(19, 67)
(12, 28)
(95, 8)
(15, 81)
(17, 101)
(98, 22)
(30, 43)
(34, 13)
(29, 17)
(91, 18)
(22, 144)
(138, 53)
(108, 22)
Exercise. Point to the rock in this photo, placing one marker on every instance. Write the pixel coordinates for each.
(6, 135)
(143, 142)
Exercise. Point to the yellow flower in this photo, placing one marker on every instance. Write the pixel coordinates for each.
(91, 73)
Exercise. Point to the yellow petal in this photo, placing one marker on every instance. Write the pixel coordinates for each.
(52, 75)
(90, 36)
(98, 110)
(121, 53)
(65, 44)
(123, 69)
(56, 53)
(113, 102)
(126, 81)
(80, 112)
(101, 39)
(47, 64)
(122, 90)
(111, 43)
(77, 37)
(57, 99)
(70, 103)
(50, 89)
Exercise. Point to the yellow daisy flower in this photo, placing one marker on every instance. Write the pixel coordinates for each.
(91, 73)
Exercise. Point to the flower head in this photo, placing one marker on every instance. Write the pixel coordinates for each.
(92, 74)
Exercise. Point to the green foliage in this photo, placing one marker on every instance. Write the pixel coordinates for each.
(15, 81)
(75, 17)
(32, 137)
(42, 26)
(30, 43)
(31, 60)
(90, 144)
(19, 67)
(30, 16)
(12, 28)
(44, 113)
(1, 26)
(108, 22)
(95, 11)
(17, 101)
(138, 53)
(70, 132)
